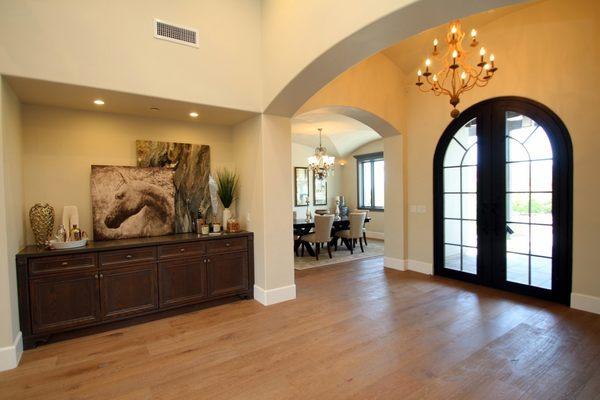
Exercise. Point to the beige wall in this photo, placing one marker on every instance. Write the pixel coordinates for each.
(302, 31)
(395, 200)
(11, 212)
(247, 150)
(60, 145)
(262, 149)
(277, 153)
(303, 50)
(375, 85)
(109, 44)
(349, 184)
(546, 52)
(300, 154)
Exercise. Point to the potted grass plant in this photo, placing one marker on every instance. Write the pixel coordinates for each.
(227, 187)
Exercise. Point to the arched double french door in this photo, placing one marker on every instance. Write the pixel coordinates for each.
(503, 199)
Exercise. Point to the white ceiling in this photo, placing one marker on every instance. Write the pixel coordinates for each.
(341, 135)
(33, 91)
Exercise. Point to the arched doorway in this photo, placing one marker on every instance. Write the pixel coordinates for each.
(503, 199)
(387, 141)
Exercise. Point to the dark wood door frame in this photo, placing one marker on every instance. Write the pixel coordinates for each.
(491, 203)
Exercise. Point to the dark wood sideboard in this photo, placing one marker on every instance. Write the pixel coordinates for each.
(66, 293)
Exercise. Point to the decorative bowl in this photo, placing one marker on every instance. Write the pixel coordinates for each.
(67, 245)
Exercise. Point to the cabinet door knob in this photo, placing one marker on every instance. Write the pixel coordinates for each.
(101, 276)
(96, 276)
(65, 263)
(227, 244)
(208, 260)
(182, 249)
(128, 256)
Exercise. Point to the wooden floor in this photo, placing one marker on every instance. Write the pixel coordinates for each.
(356, 331)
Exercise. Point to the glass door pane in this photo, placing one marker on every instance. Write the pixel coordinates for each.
(460, 200)
(529, 236)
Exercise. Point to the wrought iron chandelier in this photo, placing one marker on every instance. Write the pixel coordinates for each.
(321, 163)
(457, 75)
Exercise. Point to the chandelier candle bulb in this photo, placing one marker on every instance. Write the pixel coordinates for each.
(419, 73)
(474, 41)
(435, 47)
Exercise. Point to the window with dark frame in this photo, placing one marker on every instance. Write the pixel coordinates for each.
(370, 181)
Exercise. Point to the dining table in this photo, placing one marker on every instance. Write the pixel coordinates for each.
(303, 226)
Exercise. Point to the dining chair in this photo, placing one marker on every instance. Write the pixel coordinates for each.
(364, 235)
(296, 244)
(349, 236)
(321, 234)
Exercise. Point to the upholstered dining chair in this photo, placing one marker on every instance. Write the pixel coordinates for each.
(321, 234)
(348, 236)
(296, 244)
(364, 235)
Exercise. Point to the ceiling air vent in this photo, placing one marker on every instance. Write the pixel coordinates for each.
(177, 34)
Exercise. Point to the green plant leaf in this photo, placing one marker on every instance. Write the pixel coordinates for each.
(227, 186)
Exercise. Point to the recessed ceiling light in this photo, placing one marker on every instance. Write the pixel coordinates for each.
(194, 114)
(99, 102)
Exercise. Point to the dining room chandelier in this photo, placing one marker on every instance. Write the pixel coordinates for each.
(320, 164)
(456, 75)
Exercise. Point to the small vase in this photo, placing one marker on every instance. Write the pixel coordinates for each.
(226, 218)
(41, 217)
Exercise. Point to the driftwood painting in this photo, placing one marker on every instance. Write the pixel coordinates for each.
(191, 164)
(132, 202)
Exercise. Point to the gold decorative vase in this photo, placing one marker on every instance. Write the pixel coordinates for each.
(41, 217)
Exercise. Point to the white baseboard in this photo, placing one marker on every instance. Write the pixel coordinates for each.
(408, 265)
(394, 263)
(585, 302)
(375, 235)
(11, 355)
(419, 266)
(274, 296)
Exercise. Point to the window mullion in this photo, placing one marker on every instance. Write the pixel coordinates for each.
(372, 184)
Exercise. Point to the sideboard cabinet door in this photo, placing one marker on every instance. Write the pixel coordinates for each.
(227, 273)
(182, 281)
(64, 301)
(128, 291)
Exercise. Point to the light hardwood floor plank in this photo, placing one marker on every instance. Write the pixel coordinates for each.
(355, 331)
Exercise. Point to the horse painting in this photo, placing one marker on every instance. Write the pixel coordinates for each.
(132, 202)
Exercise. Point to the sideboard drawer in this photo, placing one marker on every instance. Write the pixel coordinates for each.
(226, 245)
(192, 249)
(120, 257)
(60, 264)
